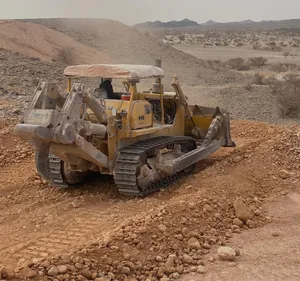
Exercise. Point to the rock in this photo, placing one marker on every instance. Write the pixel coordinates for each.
(130, 279)
(194, 243)
(206, 246)
(62, 269)
(66, 258)
(76, 204)
(125, 270)
(170, 262)
(284, 174)
(36, 260)
(179, 237)
(226, 254)
(187, 258)
(250, 223)
(237, 222)
(102, 279)
(237, 159)
(159, 258)
(176, 275)
(86, 273)
(165, 278)
(242, 211)
(193, 269)
(21, 262)
(269, 219)
(208, 208)
(78, 265)
(53, 271)
(162, 227)
(237, 251)
(275, 234)
(79, 278)
(257, 212)
(45, 263)
(232, 264)
(27, 272)
(201, 269)
(7, 273)
(186, 233)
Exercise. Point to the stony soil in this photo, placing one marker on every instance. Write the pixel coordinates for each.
(92, 232)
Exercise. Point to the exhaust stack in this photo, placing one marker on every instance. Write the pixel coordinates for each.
(156, 84)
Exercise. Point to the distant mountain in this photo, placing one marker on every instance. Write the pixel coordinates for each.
(247, 21)
(210, 22)
(169, 24)
(189, 24)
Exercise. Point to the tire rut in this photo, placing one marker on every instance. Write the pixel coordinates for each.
(90, 225)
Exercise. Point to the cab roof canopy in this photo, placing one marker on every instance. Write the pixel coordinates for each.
(115, 71)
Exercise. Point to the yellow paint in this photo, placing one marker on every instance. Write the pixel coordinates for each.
(161, 103)
(137, 122)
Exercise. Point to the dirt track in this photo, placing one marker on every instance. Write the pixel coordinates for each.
(38, 221)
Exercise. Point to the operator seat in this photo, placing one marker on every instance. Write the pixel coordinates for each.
(100, 93)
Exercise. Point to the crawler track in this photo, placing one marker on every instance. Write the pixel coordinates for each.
(130, 158)
(55, 169)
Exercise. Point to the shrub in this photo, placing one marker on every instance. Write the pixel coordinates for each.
(276, 48)
(258, 79)
(258, 61)
(274, 84)
(65, 56)
(279, 67)
(181, 37)
(287, 93)
(238, 64)
(248, 86)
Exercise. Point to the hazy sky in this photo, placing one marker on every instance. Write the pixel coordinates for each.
(135, 11)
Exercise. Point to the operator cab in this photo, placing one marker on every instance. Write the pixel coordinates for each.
(106, 91)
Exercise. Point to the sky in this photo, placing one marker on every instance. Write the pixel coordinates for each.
(135, 11)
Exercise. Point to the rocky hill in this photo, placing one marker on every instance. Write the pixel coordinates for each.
(34, 40)
(245, 24)
(169, 24)
(125, 44)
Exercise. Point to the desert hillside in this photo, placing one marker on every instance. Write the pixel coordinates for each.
(37, 41)
(125, 44)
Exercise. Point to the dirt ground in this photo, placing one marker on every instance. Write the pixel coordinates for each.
(38, 222)
(90, 232)
(226, 53)
(269, 253)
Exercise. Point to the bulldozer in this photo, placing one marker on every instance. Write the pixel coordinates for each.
(145, 139)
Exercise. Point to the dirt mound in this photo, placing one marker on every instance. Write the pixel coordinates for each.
(38, 41)
(167, 234)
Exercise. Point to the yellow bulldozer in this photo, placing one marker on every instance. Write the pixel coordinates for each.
(145, 139)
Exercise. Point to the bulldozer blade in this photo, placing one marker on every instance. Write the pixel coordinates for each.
(192, 157)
